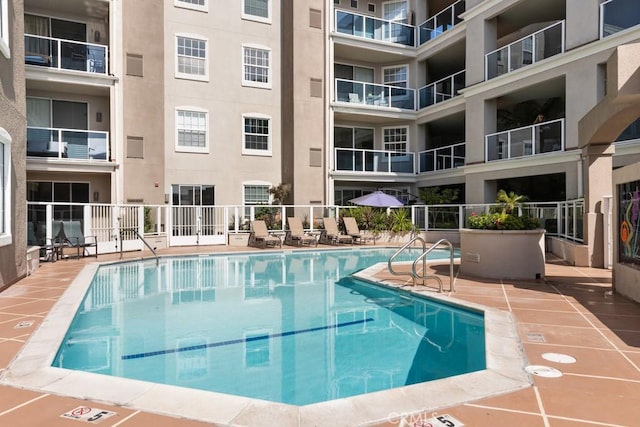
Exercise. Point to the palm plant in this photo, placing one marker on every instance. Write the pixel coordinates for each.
(509, 201)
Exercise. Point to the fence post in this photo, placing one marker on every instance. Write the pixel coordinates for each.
(460, 217)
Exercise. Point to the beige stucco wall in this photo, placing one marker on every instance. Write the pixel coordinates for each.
(143, 102)
(626, 278)
(224, 97)
(13, 256)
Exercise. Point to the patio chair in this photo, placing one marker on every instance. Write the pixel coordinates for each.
(331, 235)
(260, 237)
(353, 230)
(71, 236)
(295, 235)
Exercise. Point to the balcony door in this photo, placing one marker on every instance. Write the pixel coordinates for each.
(45, 50)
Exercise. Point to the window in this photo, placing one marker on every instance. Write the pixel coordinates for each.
(256, 70)
(354, 4)
(256, 194)
(192, 195)
(257, 10)
(191, 130)
(256, 135)
(4, 28)
(395, 139)
(5, 188)
(192, 4)
(396, 76)
(192, 60)
(348, 137)
(395, 11)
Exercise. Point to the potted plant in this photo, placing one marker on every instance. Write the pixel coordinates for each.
(503, 244)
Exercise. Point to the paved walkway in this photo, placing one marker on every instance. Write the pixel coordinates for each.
(571, 312)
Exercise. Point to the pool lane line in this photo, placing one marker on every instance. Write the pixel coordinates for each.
(242, 340)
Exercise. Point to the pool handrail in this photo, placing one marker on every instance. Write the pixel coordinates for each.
(399, 251)
(153, 251)
(423, 258)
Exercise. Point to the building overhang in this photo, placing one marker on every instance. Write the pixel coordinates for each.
(48, 165)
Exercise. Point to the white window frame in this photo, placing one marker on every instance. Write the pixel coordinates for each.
(251, 83)
(186, 4)
(4, 28)
(385, 143)
(406, 10)
(253, 152)
(393, 83)
(249, 17)
(256, 184)
(186, 149)
(182, 75)
(5, 189)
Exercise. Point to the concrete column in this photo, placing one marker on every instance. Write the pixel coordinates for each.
(582, 22)
(598, 166)
(481, 38)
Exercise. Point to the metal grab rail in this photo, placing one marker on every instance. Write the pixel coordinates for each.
(399, 251)
(423, 258)
(153, 251)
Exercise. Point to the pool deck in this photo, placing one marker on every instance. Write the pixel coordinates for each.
(570, 312)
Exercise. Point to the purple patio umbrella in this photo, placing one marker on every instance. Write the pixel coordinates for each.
(377, 199)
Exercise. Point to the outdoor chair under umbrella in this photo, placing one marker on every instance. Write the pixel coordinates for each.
(377, 199)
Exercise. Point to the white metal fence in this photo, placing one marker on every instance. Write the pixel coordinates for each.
(116, 226)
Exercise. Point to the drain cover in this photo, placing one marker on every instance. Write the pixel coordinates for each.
(559, 358)
(543, 371)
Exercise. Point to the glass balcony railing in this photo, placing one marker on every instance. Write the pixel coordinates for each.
(377, 95)
(67, 144)
(618, 15)
(541, 138)
(65, 54)
(373, 161)
(372, 28)
(441, 90)
(449, 157)
(528, 50)
(441, 22)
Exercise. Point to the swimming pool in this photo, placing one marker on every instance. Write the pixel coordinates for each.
(286, 327)
(32, 370)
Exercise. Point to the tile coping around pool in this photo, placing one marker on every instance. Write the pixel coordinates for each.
(32, 370)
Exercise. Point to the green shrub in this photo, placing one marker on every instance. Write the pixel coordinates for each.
(502, 221)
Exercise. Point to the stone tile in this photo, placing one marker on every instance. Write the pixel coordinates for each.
(542, 317)
(563, 335)
(11, 397)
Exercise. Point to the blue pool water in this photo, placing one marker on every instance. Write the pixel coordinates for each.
(289, 327)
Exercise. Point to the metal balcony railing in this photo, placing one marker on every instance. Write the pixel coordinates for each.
(373, 161)
(618, 15)
(65, 54)
(378, 95)
(435, 159)
(67, 143)
(369, 27)
(525, 141)
(528, 50)
(441, 22)
(441, 90)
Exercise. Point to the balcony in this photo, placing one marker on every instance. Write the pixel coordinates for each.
(377, 95)
(67, 144)
(526, 51)
(373, 161)
(370, 28)
(65, 54)
(618, 15)
(441, 22)
(442, 158)
(441, 90)
(546, 137)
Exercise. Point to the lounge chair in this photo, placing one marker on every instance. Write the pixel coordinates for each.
(260, 237)
(71, 235)
(295, 235)
(331, 235)
(353, 230)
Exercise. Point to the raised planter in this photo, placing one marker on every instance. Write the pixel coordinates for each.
(503, 254)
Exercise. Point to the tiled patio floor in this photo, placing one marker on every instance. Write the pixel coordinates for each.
(571, 312)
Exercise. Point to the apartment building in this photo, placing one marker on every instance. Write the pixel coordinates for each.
(473, 95)
(13, 239)
(183, 103)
